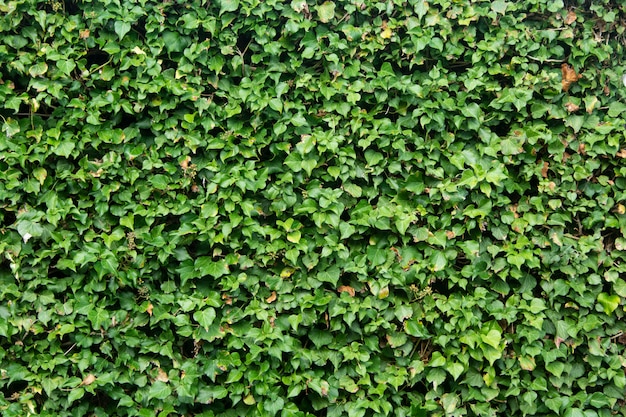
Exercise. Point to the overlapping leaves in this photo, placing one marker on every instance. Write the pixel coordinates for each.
(269, 208)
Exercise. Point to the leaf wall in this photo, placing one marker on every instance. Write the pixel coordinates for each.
(360, 208)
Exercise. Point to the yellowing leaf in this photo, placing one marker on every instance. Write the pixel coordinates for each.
(326, 11)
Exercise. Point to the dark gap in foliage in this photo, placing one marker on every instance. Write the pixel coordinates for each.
(96, 57)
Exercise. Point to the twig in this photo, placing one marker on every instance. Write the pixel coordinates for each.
(546, 60)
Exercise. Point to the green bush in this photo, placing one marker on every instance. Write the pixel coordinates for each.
(348, 208)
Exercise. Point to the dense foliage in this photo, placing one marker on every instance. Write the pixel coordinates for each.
(361, 208)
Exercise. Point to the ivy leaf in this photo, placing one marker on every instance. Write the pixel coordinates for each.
(38, 69)
(228, 6)
(205, 317)
(207, 266)
(376, 256)
(608, 302)
(121, 28)
(326, 11)
(438, 261)
(66, 66)
(159, 390)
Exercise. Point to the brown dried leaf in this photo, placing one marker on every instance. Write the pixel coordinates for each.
(271, 298)
(149, 309)
(184, 164)
(621, 153)
(569, 76)
(89, 379)
(348, 289)
(162, 376)
(571, 107)
(227, 299)
(570, 18)
(581, 149)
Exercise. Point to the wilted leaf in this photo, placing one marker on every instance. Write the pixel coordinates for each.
(348, 289)
(88, 380)
(571, 17)
(271, 298)
(569, 76)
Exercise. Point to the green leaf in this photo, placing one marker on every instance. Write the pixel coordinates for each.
(273, 407)
(608, 302)
(326, 11)
(456, 369)
(436, 360)
(75, 394)
(555, 368)
(38, 69)
(207, 266)
(330, 275)
(159, 390)
(66, 66)
(294, 237)
(438, 261)
(99, 318)
(620, 287)
(616, 108)
(121, 28)
(320, 337)
(492, 338)
(376, 256)
(228, 6)
(159, 181)
(205, 317)
(499, 6)
(65, 148)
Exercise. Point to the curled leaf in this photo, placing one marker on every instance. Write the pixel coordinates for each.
(348, 289)
(569, 76)
(88, 380)
(271, 298)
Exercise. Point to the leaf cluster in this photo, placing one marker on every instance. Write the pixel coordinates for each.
(363, 208)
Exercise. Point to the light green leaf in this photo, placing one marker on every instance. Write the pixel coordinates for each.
(492, 338)
(207, 266)
(294, 237)
(438, 261)
(437, 360)
(121, 28)
(65, 148)
(228, 6)
(159, 390)
(456, 369)
(499, 6)
(326, 11)
(38, 69)
(608, 302)
(205, 317)
(159, 181)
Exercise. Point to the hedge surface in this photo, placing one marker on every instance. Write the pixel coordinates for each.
(268, 208)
